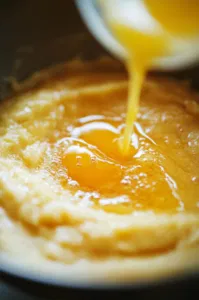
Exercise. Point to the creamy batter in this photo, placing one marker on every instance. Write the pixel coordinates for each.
(70, 200)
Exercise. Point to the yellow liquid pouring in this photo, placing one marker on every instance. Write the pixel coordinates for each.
(135, 85)
(175, 17)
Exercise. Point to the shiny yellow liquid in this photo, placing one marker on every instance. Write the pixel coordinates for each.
(179, 18)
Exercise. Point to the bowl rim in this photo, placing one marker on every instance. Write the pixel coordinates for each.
(8, 273)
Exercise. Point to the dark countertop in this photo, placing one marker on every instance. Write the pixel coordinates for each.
(8, 293)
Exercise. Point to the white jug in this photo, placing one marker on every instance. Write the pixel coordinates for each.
(184, 53)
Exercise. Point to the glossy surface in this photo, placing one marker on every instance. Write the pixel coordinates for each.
(88, 158)
(146, 42)
(146, 179)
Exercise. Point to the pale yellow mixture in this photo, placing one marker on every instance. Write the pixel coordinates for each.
(71, 202)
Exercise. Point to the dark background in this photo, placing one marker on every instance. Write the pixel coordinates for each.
(34, 21)
(33, 33)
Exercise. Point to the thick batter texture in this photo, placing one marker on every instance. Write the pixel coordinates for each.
(69, 200)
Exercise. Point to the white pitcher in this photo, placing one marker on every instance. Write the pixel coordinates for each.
(185, 52)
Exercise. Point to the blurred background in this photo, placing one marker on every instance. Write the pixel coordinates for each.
(33, 35)
(36, 21)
